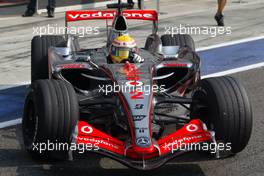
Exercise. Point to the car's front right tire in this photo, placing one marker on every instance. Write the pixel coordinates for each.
(222, 103)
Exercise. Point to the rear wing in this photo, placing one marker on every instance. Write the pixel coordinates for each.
(81, 15)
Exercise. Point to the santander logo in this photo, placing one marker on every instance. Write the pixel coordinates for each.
(109, 14)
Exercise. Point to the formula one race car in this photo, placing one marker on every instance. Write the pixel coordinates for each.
(140, 114)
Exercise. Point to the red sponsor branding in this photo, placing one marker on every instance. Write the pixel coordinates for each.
(175, 65)
(87, 129)
(133, 77)
(193, 132)
(109, 14)
(90, 135)
(192, 127)
(72, 66)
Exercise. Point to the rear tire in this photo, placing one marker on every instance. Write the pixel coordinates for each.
(181, 40)
(39, 55)
(152, 43)
(50, 115)
(224, 106)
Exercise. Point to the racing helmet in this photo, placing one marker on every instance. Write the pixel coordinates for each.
(121, 48)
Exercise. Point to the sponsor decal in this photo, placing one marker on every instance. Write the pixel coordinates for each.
(176, 65)
(139, 106)
(132, 73)
(192, 128)
(133, 76)
(134, 83)
(143, 141)
(138, 117)
(99, 141)
(136, 95)
(183, 140)
(87, 129)
(109, 14)
(71, 66)
(141, 130)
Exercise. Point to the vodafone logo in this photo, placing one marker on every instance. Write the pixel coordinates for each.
(139, 15)
(91, 15)
(87, 129)
(109, 14)
(192, 127)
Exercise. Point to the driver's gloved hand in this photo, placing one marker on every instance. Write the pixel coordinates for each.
(137, 58)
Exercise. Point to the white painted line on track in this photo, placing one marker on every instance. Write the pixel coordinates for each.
(230, 43)
(25, 83)
(8, 18)
(235, 70)
(10, 123)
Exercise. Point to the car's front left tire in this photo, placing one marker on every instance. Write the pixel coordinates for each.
(50, 116)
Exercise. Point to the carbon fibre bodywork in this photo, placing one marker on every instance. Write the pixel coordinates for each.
(124, 123)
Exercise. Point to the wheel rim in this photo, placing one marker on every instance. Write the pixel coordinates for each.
(30, 124)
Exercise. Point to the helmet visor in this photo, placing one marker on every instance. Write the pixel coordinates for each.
(119, 54)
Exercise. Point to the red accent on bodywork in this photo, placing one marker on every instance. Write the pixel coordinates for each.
(99, 139)
(72, 66)
(175, 65)
(135, 95)
(183, 137)
(79, 15)
(131, 72)
(192, 132)
(181, 90)
(141, 150)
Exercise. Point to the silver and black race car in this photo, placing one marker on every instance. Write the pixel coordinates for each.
(140, 114)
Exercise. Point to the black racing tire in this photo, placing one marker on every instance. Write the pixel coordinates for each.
(39, 55)
(148, 43)
(222, 103)
(181, 40)
(51, 112)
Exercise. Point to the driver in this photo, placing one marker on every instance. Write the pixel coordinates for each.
(123, 49)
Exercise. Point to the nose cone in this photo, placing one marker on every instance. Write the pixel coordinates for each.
(138, 99)
(144, 150)
(135, 85)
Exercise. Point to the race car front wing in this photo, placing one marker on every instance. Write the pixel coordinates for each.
(166, 148)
